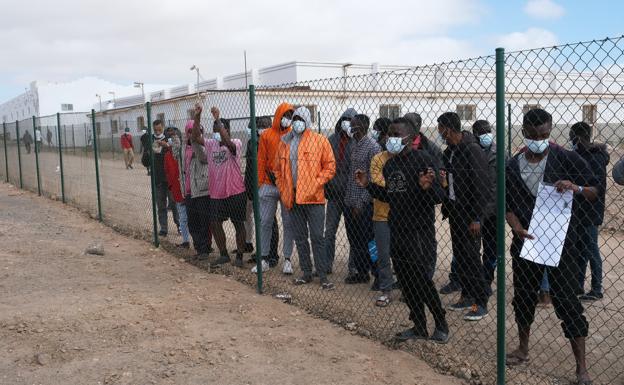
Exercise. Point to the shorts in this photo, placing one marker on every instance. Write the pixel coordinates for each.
(233, 208)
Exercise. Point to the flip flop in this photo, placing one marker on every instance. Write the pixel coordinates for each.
(515, 360)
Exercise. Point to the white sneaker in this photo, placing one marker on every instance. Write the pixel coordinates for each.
(287, 268)
(265, 267)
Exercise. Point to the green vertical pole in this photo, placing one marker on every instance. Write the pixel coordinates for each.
(6, 154)
(254, 181)
(112, 139)
(73, 140)
(19, 154)
(509, 130)
(97, 165)
(318, 119)
(148, 108)
(500, 216)
(60, 146)
(34, 121)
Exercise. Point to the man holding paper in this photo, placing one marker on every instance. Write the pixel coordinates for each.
(557, 171)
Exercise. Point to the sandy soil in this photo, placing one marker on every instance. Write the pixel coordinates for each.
(141, 316)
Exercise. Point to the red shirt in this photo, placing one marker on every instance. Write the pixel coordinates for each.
(126, 141)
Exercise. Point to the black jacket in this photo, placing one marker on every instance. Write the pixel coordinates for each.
(561, 165)
(433, 150)
(467, 165)
(597, 157)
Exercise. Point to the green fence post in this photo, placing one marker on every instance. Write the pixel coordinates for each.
(60, 145)
(6, 154)
(254, 181)
(34, 122)
(97, 165)
(73, 140)
(509, 129)
(19, 154)
(500, 216)
(148, 108)
(112, 140)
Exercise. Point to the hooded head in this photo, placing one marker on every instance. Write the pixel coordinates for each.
(282, 109)
(348, 114)
(304, 114)
(127, 129)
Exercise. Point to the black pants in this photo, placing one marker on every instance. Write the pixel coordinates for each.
(273, 257)
(414, 259)
(164, 201)
(198, 222)
(563, 279)
(467, 254)
(488, 238)
(360, 233)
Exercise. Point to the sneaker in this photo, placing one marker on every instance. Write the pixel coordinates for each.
(252, 258)
(326, 285)
(265, 267)
(287, 267)
(410, 334)
(248, 249)
(223, 259)
(450, 287)
(476, 313)
(591, 296)
(201, 257)
(184, 245)
(461, 305)
(238, 262)
(304, 280)
(440, 336)
(162, 233)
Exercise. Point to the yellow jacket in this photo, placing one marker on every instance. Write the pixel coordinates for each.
(380, 209)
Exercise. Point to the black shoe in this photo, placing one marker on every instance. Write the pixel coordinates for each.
(222, 260)
(252, 259)
(450, 287)
(184, 245)
(248, 249)
(305, 279)
(201, 257)
(272, 262)
(488, 291)
(353, 279)
(326, 285)
(440, 336)
(162, 233)
(411, 334)
(238, 262)
(591, 296)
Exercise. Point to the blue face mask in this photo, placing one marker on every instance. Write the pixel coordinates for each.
(486, 139)
(298, 126)
(395, 145)
(216, 136)
(536, 146)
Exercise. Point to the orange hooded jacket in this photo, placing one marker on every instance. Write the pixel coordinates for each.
(315, 166)
(268, 144)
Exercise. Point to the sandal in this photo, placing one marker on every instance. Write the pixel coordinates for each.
(383, 301)
(514, 359)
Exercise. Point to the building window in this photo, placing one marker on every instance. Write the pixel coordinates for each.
(67, 107)
(114, 127)
(390, 111)
(590, 113)
(140, 123)
(311, 108)
(161, 117)
(529, 107)
(467, 111)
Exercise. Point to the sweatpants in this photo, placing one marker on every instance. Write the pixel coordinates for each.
(269, 199)
(308, 222)
(334, 211)
(360, 233)
(413, 257)
(563, 279)
(384, 267)
(198, 223)
(467, 254)
(128, 156)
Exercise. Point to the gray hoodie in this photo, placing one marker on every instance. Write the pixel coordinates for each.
(335, 189)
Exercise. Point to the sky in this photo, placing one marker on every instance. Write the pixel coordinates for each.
(157, 41)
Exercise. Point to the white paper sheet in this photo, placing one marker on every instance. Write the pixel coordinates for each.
(549, 226)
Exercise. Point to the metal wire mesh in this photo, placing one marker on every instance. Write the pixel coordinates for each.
(327, 224)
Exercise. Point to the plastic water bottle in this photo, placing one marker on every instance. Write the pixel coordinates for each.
(372, 250)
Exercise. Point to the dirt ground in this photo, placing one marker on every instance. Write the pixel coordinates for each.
(472, 351)
(141, 316)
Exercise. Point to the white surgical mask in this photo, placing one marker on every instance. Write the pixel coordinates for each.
(298, 126)
(346, 126)
(536, 146)
(285, 122)
(217, 136)
(486, 139)
(160, 136)
(395, 145)
(375, 134)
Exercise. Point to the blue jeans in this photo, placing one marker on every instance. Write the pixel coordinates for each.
(591, 254)
(545, 285)
(183, 221)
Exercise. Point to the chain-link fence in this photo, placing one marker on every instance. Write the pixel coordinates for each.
(375, 202)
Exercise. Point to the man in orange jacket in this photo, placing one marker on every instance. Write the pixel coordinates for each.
(305, 163)
(267, 191)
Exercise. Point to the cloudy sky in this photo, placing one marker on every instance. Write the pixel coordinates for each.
(157, 41)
